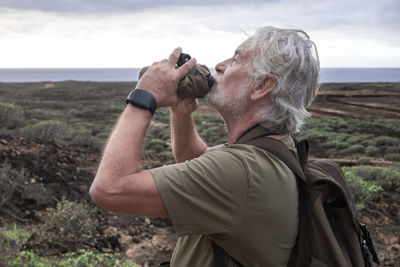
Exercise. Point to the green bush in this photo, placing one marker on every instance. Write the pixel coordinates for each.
(10, 179)
(342, 145)
(162, 115)
(392, 149)
(28, 259)
(311, 134)
(386, 140)
(363, 161)
(382, 176)
(158, 132)
(11, 116)
(392, 157)
(11, 242)
(327, 129)
(214, 134)
(103, 135)
(71, 224)
(87, 139)
(166, 155)
(363, 189)
(370, 142)
(371, 150)
(353, 140)
(93, 128)
(332, 133)
(198, 119)
(336, 144)
(7, 185)
(354, 149)
(157, 145)
(149, 153)
(89, 258)
(114, 107)
(82, 139)
(215, 120)
(41, 114)
(82, 258)
(48, 131)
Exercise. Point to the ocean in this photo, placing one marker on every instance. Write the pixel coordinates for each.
(328, 75)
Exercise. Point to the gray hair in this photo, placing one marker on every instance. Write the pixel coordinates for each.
(287, 56)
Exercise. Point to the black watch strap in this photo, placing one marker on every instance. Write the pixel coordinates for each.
(142, 99)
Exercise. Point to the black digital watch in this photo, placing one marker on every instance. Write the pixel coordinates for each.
(142, 99)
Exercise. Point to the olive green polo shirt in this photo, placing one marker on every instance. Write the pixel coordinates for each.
(239, 196)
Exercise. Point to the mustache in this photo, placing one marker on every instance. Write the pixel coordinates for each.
(217, 77)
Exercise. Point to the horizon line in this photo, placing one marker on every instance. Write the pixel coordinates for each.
(10, 68)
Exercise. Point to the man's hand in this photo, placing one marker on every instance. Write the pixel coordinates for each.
(162, 78)
(185, 107)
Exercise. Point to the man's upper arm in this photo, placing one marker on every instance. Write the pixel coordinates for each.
(134, 194)
(205, 195)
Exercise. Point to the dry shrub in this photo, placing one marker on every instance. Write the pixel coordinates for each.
(392, 157)
(11, 242)
(371, 150)
(70, 226)
(11, 116)
(7, 187)
(10, 180)
(51, 130)
(87, 139)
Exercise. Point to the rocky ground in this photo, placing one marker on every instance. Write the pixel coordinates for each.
(369, 101)
(58, 171)
(67, 171)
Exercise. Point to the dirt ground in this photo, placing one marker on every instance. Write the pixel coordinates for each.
(357, 101)
(67, 171)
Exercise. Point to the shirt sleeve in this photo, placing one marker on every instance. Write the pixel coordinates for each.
(206, 195)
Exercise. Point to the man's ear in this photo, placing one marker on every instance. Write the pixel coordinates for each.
(263, 88)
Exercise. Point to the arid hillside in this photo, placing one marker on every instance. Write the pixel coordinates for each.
(356, 124)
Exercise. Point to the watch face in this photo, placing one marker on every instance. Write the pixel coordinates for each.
(146, 98)
(142, 99)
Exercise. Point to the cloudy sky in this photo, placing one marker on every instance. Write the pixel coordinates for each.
(134, 33)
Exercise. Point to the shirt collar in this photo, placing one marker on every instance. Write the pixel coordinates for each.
(259, 131)
(254, 132)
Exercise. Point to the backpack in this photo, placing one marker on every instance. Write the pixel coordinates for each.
(329, 232)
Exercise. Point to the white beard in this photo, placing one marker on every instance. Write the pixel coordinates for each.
(228, 103)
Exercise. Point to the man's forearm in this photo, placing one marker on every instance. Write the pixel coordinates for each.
(186, 143)
(120, 184)
(122, 155)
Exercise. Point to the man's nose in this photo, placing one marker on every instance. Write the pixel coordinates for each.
(220, 67)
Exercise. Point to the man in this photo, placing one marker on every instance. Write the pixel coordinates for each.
(236, 195)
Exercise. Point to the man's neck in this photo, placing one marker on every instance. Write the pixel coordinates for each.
(237, 126)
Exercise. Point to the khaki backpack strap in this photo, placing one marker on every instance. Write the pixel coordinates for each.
(280, 151)
(301, 253)
(302, 151)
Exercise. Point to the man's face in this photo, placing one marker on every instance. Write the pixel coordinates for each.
(232, 82)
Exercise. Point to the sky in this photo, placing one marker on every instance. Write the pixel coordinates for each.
(136, 33)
